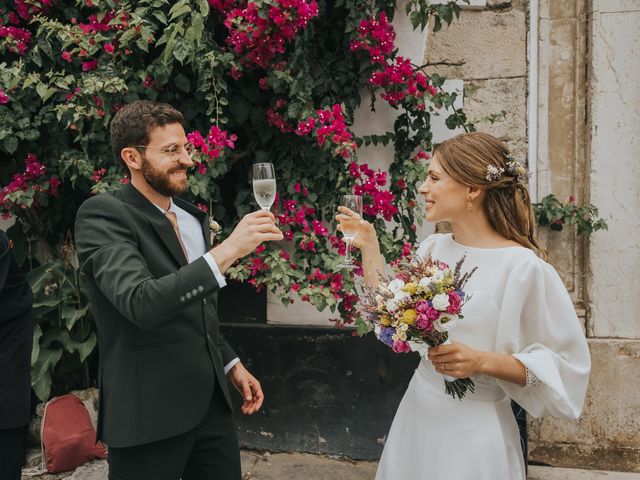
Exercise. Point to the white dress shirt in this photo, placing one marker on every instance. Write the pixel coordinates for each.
(191, 235)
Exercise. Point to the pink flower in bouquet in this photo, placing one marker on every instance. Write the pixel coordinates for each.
(401, 346)
(424, 308)
(423, 322)
(454, 302)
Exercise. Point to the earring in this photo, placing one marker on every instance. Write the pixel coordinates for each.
(469, 205)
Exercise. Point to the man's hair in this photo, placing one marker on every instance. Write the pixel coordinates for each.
(132, 124)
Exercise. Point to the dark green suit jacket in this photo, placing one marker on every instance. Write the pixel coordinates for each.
(160, 349)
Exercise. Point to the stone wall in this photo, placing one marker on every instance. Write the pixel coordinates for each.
(587, 121)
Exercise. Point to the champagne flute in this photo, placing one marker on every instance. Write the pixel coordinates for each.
(350, 227)
(264, 184)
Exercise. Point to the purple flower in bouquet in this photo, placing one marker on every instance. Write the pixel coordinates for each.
(386, 335)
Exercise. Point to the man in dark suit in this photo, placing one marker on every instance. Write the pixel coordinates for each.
(165, 412)
(16, 338)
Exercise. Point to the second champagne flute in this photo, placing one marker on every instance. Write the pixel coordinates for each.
(264, 184)
(350, 227)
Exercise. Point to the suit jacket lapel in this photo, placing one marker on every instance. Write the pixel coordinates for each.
(156, 218)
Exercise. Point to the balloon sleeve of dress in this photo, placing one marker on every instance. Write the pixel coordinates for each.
(538, 325)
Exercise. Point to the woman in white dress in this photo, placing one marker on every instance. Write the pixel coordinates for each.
(519, 339)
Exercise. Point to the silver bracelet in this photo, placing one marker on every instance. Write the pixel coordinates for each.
(531, 379)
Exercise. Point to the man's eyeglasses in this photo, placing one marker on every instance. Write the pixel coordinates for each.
(174, 152)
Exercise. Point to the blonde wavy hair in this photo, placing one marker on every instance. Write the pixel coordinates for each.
(507, 205)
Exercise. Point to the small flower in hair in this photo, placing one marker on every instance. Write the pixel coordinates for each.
(494, 173)
(517, 170)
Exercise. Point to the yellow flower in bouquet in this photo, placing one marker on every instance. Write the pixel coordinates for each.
(410, 288)
(409, 316)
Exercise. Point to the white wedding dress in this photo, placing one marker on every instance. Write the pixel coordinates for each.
(518, 306)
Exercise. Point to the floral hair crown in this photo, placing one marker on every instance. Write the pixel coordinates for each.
(514, 169)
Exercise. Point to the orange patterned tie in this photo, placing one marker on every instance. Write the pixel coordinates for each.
(174, 223)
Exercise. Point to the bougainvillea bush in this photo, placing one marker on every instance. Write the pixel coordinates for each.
(264, 80)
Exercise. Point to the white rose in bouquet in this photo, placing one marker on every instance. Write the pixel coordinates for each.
(440, 302)
(395, 285)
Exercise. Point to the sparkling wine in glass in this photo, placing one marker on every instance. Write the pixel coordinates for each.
(350, 227)
(264, 184)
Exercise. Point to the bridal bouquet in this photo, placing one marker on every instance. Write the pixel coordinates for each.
(417, 308)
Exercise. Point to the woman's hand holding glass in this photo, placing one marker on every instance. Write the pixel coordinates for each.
(365, 233)
(350, 226)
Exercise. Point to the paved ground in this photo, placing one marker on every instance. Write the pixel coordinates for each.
(300, 466)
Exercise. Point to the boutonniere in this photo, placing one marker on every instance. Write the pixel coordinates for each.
(214, 229)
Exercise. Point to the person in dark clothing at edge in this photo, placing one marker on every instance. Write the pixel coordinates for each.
(16, 333)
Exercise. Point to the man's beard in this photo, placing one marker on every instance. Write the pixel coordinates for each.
(161, 182)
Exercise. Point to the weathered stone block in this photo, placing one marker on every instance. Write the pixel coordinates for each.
(615, 6)
(563, 8)
(481, 44)
(606, 436)
(494, 96)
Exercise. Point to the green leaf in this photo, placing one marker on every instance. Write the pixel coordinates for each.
(10, 144)
(415, 19)
(39, 276)
(85, 348)
(319, 302)
(362, 328)
(41, 372)
(49, 303)
(181, 50)
(42, 386)
(179, 9)
(182, 83)
(45, 91)
(35, 351)
(159, 14)
(71, 314)
(203, 6)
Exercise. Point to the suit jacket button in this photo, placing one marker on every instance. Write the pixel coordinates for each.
(188, 295)
(200, 288)
(204, 300)
(182, 299)
(194, 292)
